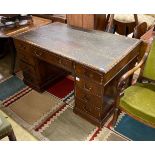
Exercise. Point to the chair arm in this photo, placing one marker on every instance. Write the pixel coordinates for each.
(123, 80)
(130, 72)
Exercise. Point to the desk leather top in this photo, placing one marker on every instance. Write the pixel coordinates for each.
(96, 49)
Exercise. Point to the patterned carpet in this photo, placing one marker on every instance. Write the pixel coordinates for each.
(49, 116)
(133, 129)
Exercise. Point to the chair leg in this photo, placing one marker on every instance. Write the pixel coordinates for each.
(115, 117)
(12, 136)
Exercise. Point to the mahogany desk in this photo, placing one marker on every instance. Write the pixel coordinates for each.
(95, 59)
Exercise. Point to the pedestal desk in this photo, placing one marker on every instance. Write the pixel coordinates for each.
(95, 59)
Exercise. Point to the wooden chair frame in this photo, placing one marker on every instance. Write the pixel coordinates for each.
(10, 135)
(122, 86)
(112, 20)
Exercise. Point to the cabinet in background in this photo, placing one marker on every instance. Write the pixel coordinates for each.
(88, 21)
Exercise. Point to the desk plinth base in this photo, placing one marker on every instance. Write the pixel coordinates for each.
(91, 119)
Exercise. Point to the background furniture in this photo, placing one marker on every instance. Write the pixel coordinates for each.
(56, 50)
(54, 17)
(6, 41)
(124, 28)
(140, 30)
(138, 100)
(11, 22)
(88, 21)
(127, 18)
(6, 129)
(125, 24)
(15, 21)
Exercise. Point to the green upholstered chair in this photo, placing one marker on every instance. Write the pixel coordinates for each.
(6, 129)
(138, 100)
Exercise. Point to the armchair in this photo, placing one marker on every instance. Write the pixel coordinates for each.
(128, 24)
(138, 100)
(6, 129)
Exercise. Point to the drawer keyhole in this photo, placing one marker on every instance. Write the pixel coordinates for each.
(60, 61)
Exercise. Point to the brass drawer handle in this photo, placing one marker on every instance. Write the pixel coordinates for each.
(87, 88)
(60, 61)
(85, 98)
(99, 111)
(38, 54)
(87, 109)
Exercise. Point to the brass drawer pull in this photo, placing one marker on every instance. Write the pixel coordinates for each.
(38, 54)
(60, 61)
(85, 98)
(98, 111)
(86, 88)
(87, 109)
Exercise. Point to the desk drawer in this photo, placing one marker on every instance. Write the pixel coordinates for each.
(88, 98)
(21, 46)
(27, 68)
(29, 73)
(26, 58)
(54, 59)
(89, 86)
(88, 108)
(88, 73)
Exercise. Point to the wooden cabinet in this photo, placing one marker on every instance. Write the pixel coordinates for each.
(75, 20)
(87, 21)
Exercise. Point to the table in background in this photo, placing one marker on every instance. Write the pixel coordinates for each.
(10, 32)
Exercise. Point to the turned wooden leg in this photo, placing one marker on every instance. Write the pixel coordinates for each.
(12, 136)
(115, 117)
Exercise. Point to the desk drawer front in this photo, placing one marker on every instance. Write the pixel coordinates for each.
(88, 73)
(22, 46)
(89, 86)
(54, 59)
(88, 98)
(27, 68)
(88, 108)
(26, 58)
(29, 73)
